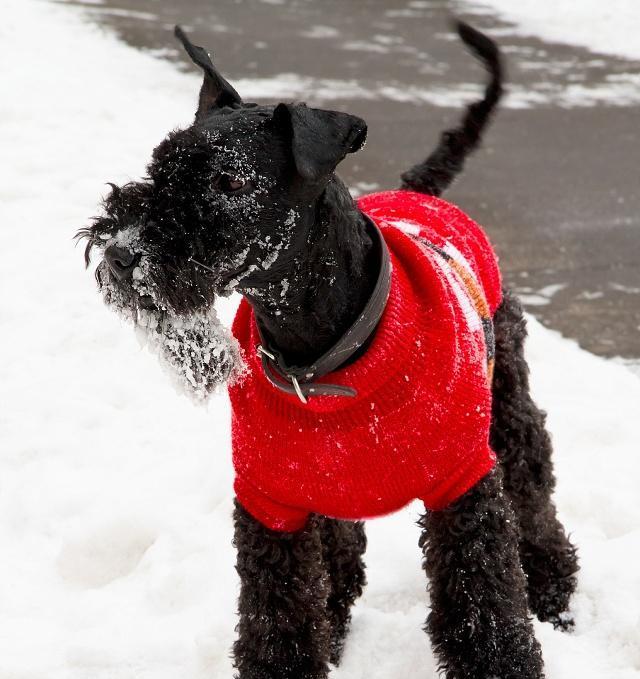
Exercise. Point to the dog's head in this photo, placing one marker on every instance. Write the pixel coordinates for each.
(228, 202)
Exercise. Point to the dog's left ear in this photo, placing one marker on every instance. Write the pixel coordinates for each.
(320, 139)
(215, 92)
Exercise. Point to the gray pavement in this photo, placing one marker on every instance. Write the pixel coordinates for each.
(556, 182)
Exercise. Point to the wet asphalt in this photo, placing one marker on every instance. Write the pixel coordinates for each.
(556, 183)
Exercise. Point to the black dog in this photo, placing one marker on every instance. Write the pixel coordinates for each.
(244, 199)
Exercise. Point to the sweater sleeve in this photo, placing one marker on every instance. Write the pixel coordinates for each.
(478, 465)
(269, 513)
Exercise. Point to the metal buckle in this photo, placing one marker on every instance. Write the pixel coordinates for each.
(292, 378)
(296, 386)
(268, 354)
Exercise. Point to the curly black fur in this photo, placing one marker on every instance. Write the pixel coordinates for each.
(501, 546)
(296, 592)
(343, 544)
(523, 445)
(479, 622)
(283, 628)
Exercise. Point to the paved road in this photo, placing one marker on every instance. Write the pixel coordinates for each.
(556, 183)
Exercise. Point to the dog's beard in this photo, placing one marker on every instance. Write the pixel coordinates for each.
(197, 351)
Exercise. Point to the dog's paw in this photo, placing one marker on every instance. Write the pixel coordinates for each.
(336, 648)
(551, 603)
(564, 622)
(551, 580)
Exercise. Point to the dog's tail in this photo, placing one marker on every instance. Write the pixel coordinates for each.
(437, 172)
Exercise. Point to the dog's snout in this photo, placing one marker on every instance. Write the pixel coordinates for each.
(121, 261)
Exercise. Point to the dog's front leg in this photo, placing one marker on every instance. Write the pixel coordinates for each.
(283, 629)
(479, 623)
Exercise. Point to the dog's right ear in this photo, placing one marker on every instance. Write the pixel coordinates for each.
(319, 139)
(215, 92)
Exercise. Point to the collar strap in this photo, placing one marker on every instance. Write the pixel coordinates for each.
(300, 380)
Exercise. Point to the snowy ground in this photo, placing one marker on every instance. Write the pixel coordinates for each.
(610, 27)
(115, 492)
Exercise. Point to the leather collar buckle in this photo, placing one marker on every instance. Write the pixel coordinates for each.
(292, 378)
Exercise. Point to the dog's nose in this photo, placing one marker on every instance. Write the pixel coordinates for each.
(120, 261)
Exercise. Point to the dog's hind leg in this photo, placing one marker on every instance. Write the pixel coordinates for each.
(283, 627)
(521, 441)
(478, 624)
(437, 172)
(343, 543)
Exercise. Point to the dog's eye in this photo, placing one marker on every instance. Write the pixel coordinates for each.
(230, 184)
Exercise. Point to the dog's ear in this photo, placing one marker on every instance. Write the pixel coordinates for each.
(319, 139)
(215, 92)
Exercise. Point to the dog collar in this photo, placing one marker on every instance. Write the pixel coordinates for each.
(301, 380)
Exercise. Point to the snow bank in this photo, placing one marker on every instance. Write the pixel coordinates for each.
(115, 493)
(610, 27)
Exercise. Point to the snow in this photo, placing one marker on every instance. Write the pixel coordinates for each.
(115, 492)
(618, 90)
(610, 27)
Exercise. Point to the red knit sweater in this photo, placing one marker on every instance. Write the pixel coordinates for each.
(419, 425)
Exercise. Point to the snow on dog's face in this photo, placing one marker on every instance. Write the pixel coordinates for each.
(181, 327)
(203, 222)
(227, 204)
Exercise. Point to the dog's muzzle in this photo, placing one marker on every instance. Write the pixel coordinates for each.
(121, 262)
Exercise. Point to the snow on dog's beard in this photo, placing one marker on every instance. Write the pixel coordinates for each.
(197, 351)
